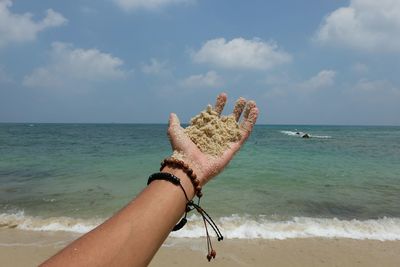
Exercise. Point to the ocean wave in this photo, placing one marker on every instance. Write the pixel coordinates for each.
(234, 226)
(291, 133)
(21, 221)
(247, 227)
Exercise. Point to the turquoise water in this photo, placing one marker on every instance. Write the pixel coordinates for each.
(72, 176)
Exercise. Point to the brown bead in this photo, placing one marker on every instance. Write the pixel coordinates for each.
(198, 188)
(208, 257)
(199, 194)
(185, 166)
(163, 164)
(213, 253)
(189, 172)
(196, 182)
(194, 176)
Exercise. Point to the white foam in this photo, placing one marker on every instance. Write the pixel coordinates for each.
(21, 221)
(321, 136)
(289, 133)
(246, 227)
(234, 226)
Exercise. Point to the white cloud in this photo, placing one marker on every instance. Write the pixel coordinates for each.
(18, 28)
(375, 86)
(87, 10)
(324, 79)
(241, 54)
(375, 96)
(155, 67)
(368, 25)
(210, 79)
(68, 65)
(281, 87)
(360, 68)
(130, 5)
(4, 77)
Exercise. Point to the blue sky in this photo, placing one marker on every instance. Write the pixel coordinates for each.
(304, 62)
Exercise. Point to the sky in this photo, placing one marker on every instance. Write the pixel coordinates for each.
(332, 62)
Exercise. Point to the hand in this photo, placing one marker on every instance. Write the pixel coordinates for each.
(204, 165)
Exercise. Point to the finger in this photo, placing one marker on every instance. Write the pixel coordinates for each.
(239, 106)
(174, 127)
(179, 140)
(250, 104)
(250, 118)
(220, 103)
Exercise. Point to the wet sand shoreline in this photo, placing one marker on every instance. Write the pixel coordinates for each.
(29, 248)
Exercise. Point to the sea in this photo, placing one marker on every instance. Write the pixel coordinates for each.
(342, 182)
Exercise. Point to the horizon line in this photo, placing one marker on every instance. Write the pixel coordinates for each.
(186, 123)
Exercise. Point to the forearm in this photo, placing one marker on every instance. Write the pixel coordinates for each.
(135, 233)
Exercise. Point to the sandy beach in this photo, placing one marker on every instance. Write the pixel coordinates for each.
(29, 248)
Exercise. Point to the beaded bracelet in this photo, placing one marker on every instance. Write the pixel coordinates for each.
(176, 181)
(190, 205)
(176, 163)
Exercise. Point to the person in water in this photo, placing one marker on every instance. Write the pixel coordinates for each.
(134, 234)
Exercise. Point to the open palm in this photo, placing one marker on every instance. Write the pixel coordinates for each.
(207, 166)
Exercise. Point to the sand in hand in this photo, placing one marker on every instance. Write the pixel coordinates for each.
(213, 133)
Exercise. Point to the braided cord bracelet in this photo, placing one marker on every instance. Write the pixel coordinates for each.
(190, 205)
(176, 181)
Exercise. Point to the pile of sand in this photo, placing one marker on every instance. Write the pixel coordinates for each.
(213, 133)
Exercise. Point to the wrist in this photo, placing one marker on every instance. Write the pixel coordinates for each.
(185, 180)
(192, 163)
(175, 163)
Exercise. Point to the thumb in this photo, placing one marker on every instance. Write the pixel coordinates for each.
(174, 128)
(174, 120)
